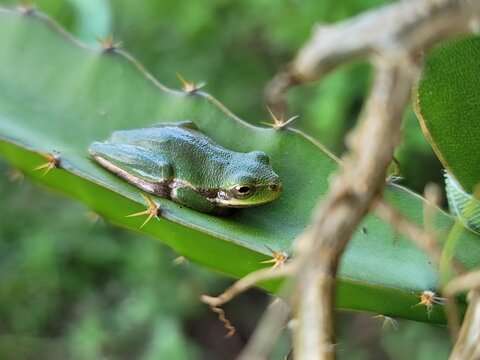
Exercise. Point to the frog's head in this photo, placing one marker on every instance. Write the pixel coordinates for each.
(252, 183)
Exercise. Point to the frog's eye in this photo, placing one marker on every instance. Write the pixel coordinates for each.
(242, 191)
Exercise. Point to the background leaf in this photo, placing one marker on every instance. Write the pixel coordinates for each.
(448, 107)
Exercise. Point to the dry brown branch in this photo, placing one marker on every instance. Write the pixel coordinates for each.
(248, 282)
(350, 197)
(223, 319)
(406, 29)
(467, 347)
(462, 283)
(392, 38)
(242, 285)
(453, 318)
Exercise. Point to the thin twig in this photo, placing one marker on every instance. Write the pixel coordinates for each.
(453, 317)
(223, 319)
(240, 286)
(248, 282)
(462, 283)
(467, 347)
(409, 26)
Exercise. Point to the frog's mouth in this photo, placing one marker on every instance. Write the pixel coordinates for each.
(260, 195)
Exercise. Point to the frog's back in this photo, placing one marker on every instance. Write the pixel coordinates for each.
(155, 134)
(167, 138)
(185, 148)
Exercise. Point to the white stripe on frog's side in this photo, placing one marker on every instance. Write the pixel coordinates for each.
(166, 189)
(159, 189)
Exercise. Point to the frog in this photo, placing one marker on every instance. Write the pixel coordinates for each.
(178, 162)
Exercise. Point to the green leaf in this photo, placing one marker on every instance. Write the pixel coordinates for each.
(448, 107)
(59, 96)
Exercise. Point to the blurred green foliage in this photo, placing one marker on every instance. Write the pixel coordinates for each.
(77, 289)
(72, 286)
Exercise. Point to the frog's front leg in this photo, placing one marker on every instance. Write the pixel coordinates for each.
(192, 199)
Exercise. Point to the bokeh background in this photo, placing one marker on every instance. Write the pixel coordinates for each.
(73, 286)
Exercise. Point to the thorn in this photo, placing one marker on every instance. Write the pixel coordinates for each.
(52, 162)
(108, 44)
(278, 123)
(429, 298)
(387, 321)
(189, 87)
(278, 259)
(152, 211)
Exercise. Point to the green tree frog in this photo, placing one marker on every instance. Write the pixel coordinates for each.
(178, 162)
